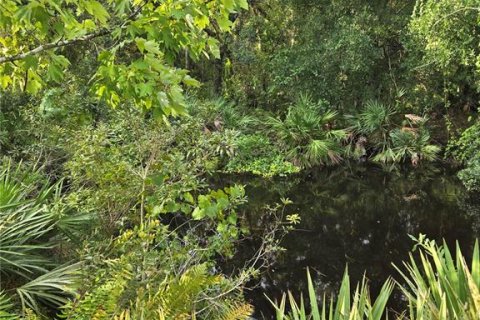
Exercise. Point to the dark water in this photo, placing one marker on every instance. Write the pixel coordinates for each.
(360, 215)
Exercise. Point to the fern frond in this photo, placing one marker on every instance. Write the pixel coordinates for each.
(238, 311)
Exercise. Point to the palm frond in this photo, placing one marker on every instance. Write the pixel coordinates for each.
(51, 288)
(375, 117)
(20, 227)
(5, 308)
(306, 133)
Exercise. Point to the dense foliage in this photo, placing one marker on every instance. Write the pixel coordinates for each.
(115, 114)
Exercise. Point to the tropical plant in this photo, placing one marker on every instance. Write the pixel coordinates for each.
(156, 272)
(413, 145)
(376, 129)
(441, 286)
(6, 307)
(186, 297)
(307, 134)
(343, 306)
(437, 285)
(375, 122)
(27, 232)
(217, 114)
(444, 50)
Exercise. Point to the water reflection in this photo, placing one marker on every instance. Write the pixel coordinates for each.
(361, 216)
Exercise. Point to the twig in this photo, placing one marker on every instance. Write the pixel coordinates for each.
(53, 45)
(63, 43)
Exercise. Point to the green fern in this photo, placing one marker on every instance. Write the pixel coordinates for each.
(237, 311)
(102, 302)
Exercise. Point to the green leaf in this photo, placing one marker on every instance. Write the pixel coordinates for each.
(198, 214)
(214, 48)
(224, 23)
(140, 44)
(34, 82)
(189, 81)
(188, 197)
(313, 298)
(202, 21)
(222, 227)
(5, 81)
(56, 69)
(152, 47)
(243, 4)
(122, 6)
(229, 4)
(97, 10)
(232, 219)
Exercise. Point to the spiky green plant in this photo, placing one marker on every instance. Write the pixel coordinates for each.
(413, 145)
(375, 121)
(441, 286)
(27, 227)
(6, 307)
(306, 133)
(343, 307)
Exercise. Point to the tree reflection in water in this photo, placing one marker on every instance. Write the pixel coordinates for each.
(360, 215)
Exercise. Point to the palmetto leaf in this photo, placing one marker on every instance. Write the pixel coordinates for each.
(51, 288)
(26, 229)
(5, 308)
(407, 144)
(306, 133)
(20, 227)
(375, 117)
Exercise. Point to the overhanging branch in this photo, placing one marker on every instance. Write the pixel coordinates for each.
(53, 45)
(63, 43)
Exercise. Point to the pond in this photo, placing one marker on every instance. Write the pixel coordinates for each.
(359, 215)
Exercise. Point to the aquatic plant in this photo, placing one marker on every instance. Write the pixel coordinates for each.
(437, 287)
(440, 286)
(343, 306)
(258, 155)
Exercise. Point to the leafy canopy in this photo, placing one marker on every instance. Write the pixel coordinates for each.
(135, 43)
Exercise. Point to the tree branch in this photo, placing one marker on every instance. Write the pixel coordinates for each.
(64, 43)
(53, 45)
